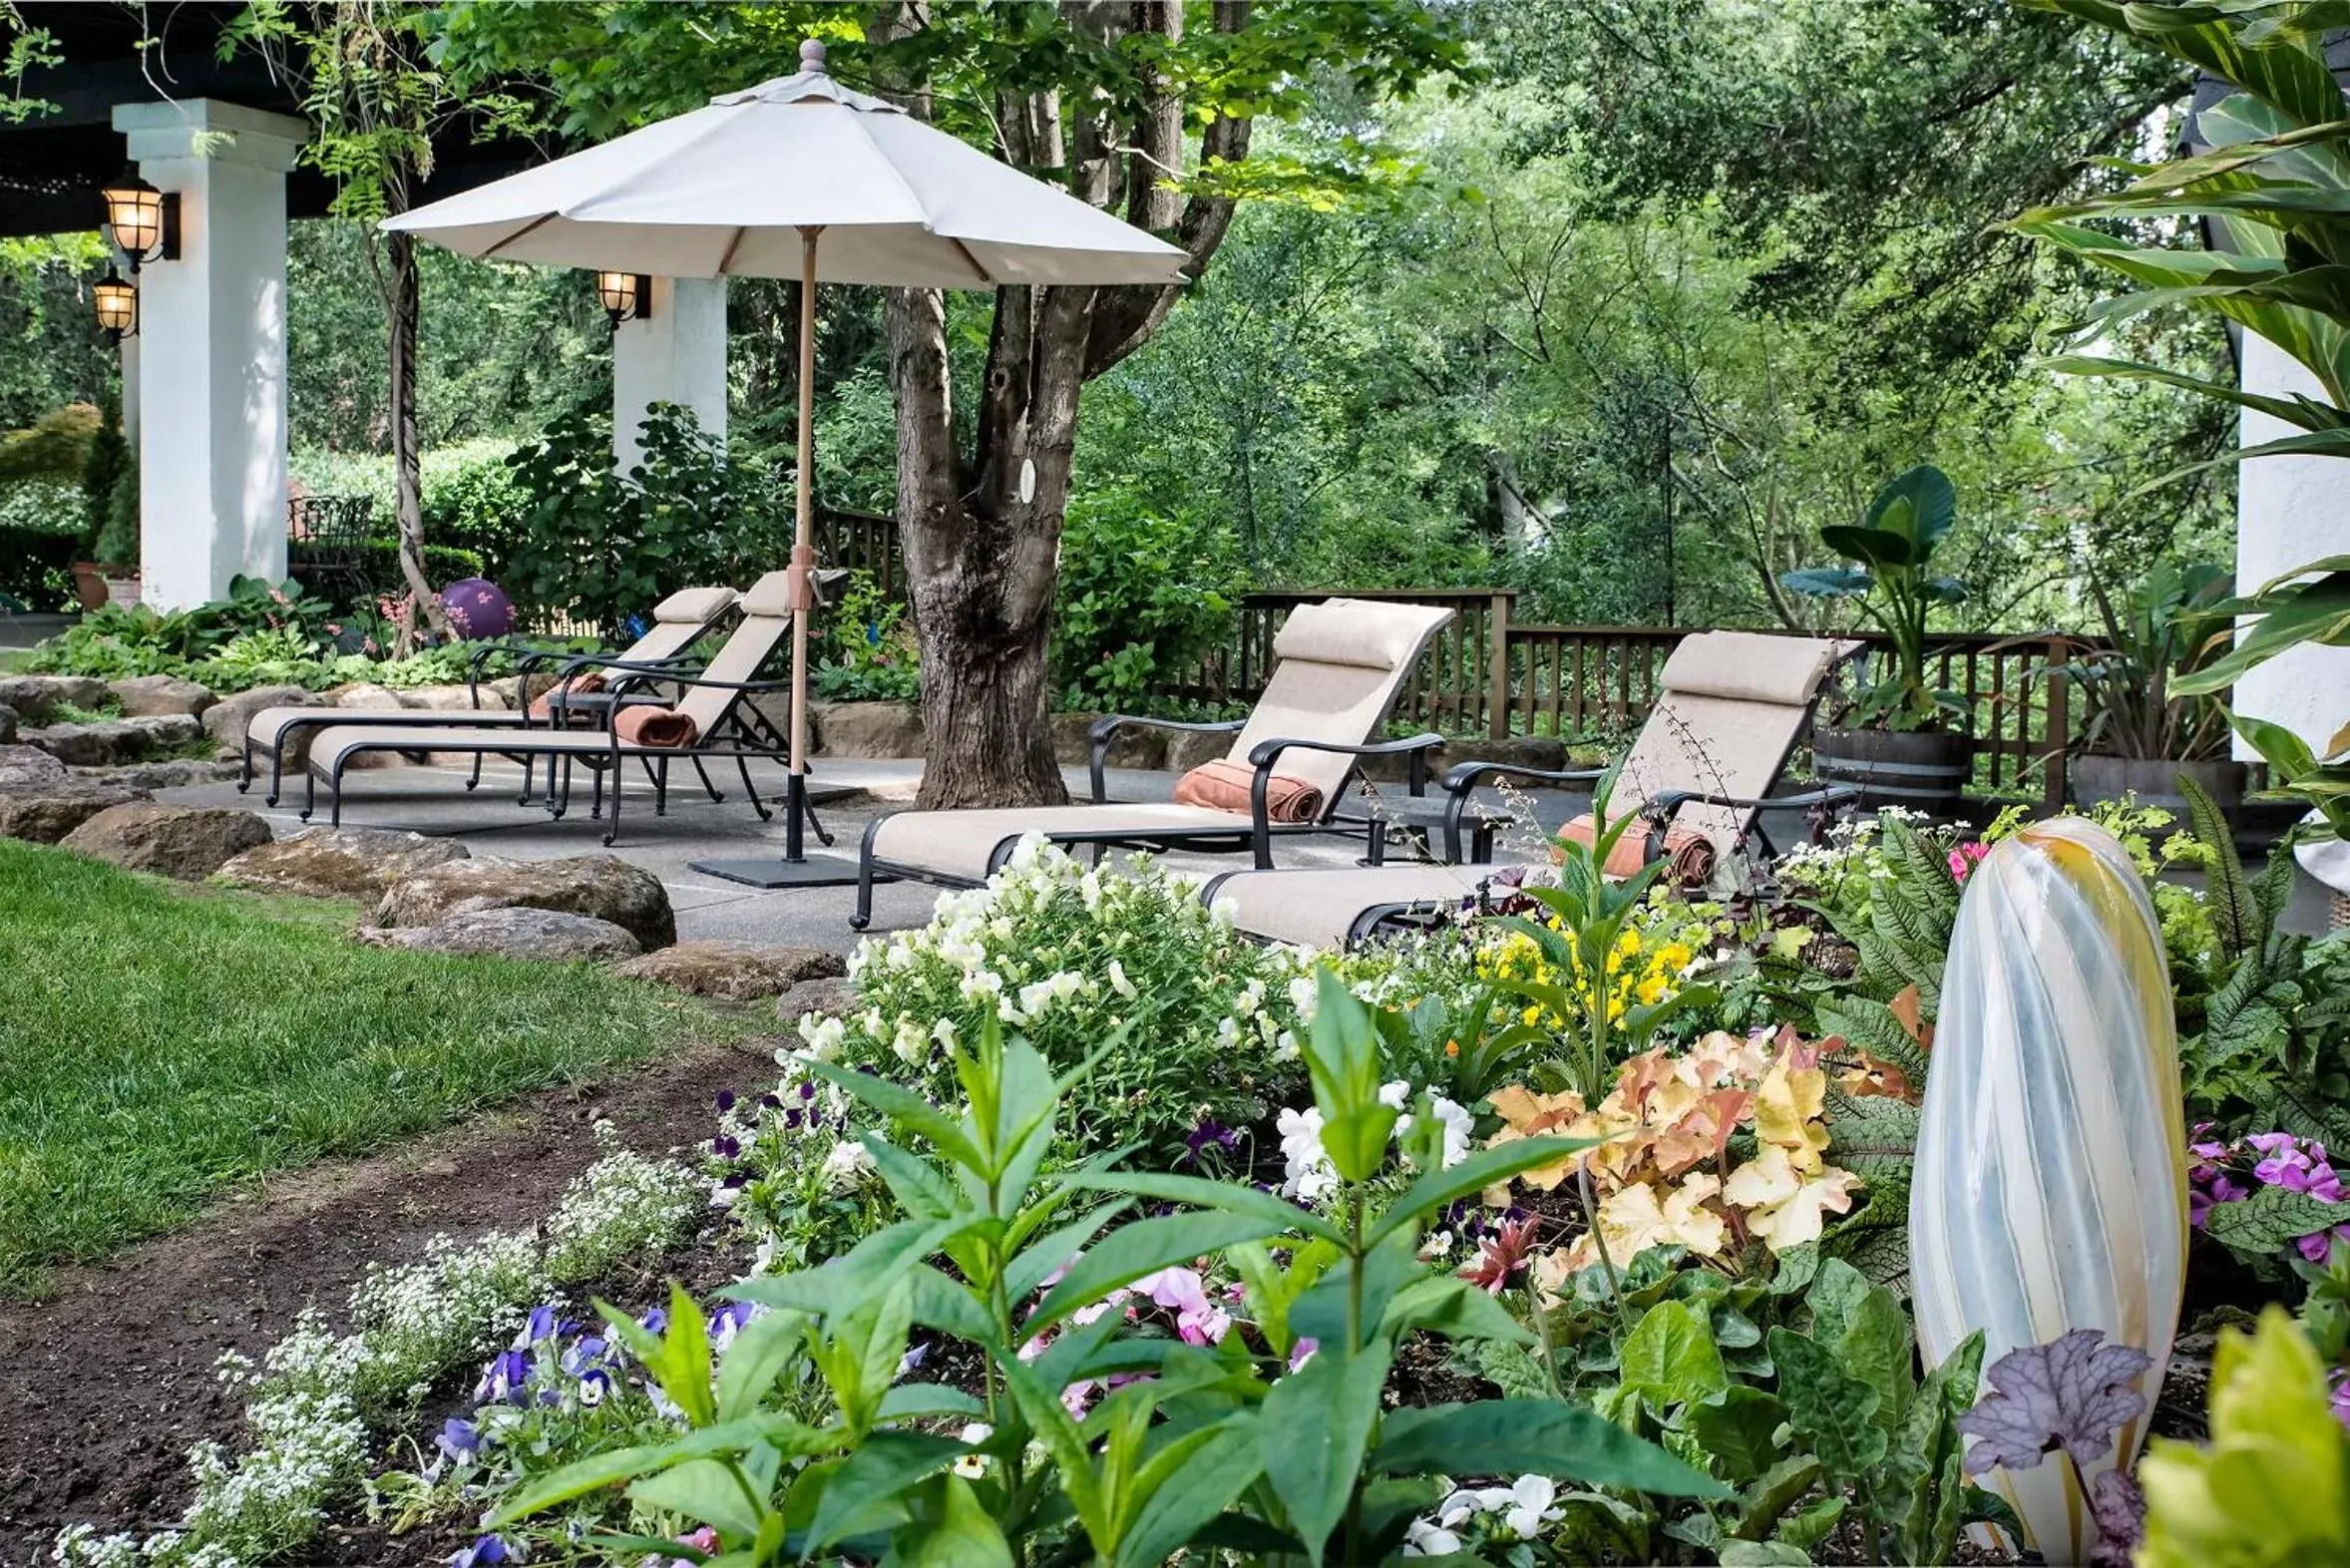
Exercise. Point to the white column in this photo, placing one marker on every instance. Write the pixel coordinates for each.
(677, 354)
(130, 359)
(2291, 511)
(211, 354)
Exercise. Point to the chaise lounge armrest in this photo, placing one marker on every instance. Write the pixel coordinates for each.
(1416, 748)
(1667, 801)
(1460, 784)
(1098, 740)
(528, 658)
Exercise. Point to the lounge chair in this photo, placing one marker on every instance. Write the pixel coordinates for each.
(677, 622)
(1339, 666)
(1733, 707)
(723, 725)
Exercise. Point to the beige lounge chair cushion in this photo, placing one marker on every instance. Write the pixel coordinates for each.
(270, 724)
(1728, 730)
(1318, 907)
(1341, 664)
(964, 842)
(695, 605)
(337, 741)
(767, 596)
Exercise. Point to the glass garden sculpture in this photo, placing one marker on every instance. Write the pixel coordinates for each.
(2050, 1190)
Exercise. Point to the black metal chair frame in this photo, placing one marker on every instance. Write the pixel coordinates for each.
(748, 733)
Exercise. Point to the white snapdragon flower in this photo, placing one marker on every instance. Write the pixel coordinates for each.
(982, 985)
(911, 1044)
(1118, 981)
(823, 1035)
(944, 1033)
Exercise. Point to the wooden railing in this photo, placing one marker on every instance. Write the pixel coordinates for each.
(862, 542)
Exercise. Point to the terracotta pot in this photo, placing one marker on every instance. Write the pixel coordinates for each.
(1917, 771)
(88, 584)
(123, 591)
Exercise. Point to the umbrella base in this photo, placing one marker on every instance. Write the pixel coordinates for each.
(811, 870)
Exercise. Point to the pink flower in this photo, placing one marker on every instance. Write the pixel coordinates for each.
(1303, 1352)
(1964, 858)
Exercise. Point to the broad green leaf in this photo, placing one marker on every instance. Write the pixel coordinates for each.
(884, 1465)
(1761, 1505)
(1321, 1313)
(1670, 1357)
(762, 1347)
(619, 1465)
(1450, 1306)
(704, 1491)
(1739, 1428)
(956, 1532)
(838, 1286)
(920, 1191)
(1188, 1483)
(1432, 1190)
(1833, 1412)
(906, 1108)
(908, 1401)
(1315, 1424)
(1876, 1349)
(1532, 1436)
(1231, 1197)
(1054, 1249)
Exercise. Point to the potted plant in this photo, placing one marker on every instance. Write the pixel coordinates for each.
(110, 459)
(2141, 731)
(1898, 739)
(117, 544)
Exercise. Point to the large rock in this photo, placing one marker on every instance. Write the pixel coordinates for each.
(35, 696)
(146, 694)
(114, 740)
(178, 773)
(361, 694)
(869, 729)
(603, 887)
(1187, 749)
(226, 721)
(346, 862)
(7, 725)
(1132, 747)
(187, 842)
(828, 997)
(514, 933)
(448, 699)
(45, 812)
(734, 971)
(22, 765)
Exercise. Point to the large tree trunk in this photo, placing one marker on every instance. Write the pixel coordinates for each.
(982, 540)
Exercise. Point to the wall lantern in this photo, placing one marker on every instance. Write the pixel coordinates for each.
(117, 306)
(144, 222)
(626, 297)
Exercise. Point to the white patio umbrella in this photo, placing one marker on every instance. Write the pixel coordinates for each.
(746, 188)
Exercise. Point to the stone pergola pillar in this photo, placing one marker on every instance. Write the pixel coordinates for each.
(2291, 511)
(210, 377)
(677, 354)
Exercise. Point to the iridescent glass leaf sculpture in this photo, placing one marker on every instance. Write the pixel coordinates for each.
(2050, 1191)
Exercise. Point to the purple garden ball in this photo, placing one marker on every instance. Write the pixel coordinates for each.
(478, 608)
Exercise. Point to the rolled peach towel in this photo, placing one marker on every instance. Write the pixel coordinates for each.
(1690, 852)
(1223, 785)
(542, 705)
(650, 726)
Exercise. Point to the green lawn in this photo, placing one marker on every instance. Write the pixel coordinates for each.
(160, 1043)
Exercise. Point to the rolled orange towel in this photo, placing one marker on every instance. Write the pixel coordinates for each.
(1690, 852)
(1222, 785)
(665, 728)
(542, 705)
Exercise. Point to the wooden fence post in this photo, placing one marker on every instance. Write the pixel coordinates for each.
(2060, 725)
(1497, 672)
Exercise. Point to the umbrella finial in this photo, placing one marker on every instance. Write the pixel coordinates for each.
(812, 55)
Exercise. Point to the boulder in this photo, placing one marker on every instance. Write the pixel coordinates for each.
(45, 812)
(149, 694)
(339, 862)
(114, 740)
(226, 721)
(178, 773)
(734, 971)
(825, 998)
(34, 696)
(513, 933)
(603, 887)
(1187, 749)
(448, 699)
(7, 725)
(867, 729)
(22, 765)
(1136, 747)
(361, 694)
(187, 842)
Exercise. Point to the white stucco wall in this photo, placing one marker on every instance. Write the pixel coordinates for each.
(2289, 511)
(677, 354)
(210, 377)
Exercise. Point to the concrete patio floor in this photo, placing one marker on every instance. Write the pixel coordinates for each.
(848, 794)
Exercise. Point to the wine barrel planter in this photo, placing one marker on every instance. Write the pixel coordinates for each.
(1916, 771)
(2155, 782)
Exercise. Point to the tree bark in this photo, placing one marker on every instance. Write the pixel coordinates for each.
(400, 292)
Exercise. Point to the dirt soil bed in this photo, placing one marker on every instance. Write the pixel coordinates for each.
(110, 1378)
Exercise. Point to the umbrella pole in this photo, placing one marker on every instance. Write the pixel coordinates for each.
(796, 869)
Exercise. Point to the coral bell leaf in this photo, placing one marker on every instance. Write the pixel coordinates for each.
(2073, 1392)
